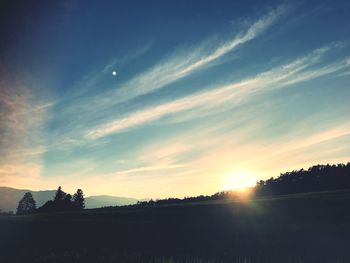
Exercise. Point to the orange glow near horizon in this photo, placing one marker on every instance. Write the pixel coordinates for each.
(239, 181)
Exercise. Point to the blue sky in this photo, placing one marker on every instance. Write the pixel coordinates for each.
(207, 96)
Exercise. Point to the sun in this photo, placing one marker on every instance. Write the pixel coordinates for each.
(239, 180)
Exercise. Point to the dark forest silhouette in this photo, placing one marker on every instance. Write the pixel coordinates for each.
(315, 179)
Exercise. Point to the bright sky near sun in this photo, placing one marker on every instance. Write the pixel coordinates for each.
(153, 99)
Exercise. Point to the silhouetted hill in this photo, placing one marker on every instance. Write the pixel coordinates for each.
(9, 198)
(107, 200)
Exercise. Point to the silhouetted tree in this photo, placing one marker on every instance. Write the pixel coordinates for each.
(61, 202)
(26, 205)
(68, 198)
(79, 200)
(60, 195)
(49, 206)
(68, 202)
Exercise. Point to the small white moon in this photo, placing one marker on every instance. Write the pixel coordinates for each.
(114, 73)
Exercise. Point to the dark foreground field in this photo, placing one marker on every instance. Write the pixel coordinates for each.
(312, 227)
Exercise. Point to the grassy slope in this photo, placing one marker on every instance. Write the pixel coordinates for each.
(311, 227)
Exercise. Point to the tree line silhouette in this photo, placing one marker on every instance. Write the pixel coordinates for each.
(315, 179)
(6, 213)
(61, 202)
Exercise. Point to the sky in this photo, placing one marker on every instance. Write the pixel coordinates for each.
(207, 95)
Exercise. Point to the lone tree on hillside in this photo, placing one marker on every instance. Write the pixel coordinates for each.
(79, 200)
(26, 205)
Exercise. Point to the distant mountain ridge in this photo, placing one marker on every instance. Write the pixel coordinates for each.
(9, 198)
(107, 200)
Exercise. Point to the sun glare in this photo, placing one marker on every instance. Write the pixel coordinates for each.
(238, 181)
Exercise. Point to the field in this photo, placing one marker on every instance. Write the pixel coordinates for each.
(311, 227)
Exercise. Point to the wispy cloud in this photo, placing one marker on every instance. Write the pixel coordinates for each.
(325, 70)
(96, 78)
(253, 31)
(316, 138)
(343, 74)
(292, 73)
(325, 146)
(99, 106)
(21, 120)
(182, 64)
(145, 116)
(224, 156)
(149, 169)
